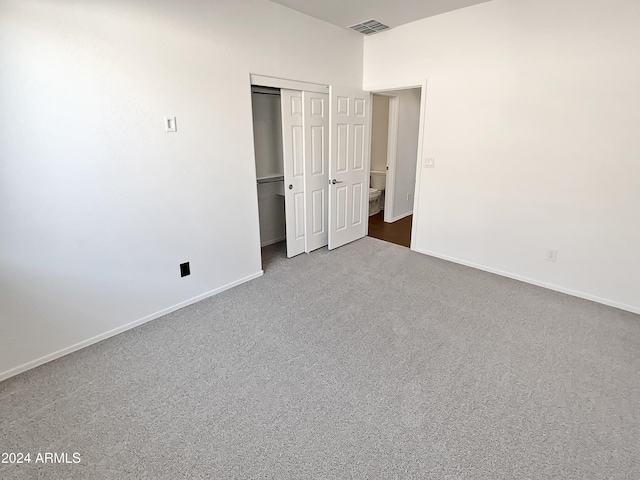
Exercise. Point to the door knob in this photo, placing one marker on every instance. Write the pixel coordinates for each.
(334, 181)
(290, 187)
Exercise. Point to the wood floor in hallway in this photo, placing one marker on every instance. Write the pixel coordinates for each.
(398, 232)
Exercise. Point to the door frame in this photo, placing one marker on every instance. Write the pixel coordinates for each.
(281, 83)
(387, 91)
(275, 82)
(392, 152)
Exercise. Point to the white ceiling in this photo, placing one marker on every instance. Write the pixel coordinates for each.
(393, 13)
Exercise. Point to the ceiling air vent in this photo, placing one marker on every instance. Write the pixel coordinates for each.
(369, 28)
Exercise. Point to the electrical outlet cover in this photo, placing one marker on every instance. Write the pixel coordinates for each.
(170, 124)
(185, 269)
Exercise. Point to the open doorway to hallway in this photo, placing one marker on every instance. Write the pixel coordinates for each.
(394, 151)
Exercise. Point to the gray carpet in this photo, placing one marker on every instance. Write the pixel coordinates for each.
(370, 361)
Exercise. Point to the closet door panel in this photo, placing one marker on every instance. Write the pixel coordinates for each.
(316, 162)
(298, 202)
(293, 154)
(297, 151)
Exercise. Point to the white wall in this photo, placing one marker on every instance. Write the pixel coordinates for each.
(98, 205)
(532, 115)
(267, 134)
(271, 211)
(407, 151)
(379, 132)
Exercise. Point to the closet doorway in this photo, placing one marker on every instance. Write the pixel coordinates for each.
(312, 163)
(291, 140)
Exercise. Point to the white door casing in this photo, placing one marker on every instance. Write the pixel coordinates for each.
(392, 153)
(316, 168)
(293, 158)
(350, 121)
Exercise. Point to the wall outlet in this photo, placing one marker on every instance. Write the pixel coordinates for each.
(552, 255)
(170, 124)
(429, 162)
(185, 269)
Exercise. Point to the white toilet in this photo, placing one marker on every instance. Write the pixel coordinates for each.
(378, 182)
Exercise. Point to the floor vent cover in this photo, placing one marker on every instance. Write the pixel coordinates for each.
(369, 27)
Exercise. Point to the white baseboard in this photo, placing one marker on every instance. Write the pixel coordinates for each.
(400, 217)
(271, 242)
(123, 328)
(550, 286)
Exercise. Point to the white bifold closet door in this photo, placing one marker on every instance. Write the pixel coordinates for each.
(293, 158)
(305, 138)
(349, 165)
(326, 167)
(316, 168)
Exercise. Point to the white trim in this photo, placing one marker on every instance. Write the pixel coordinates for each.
(392, 158)
(275, 82)
(367, 157)
(271, 242)
(123, 328)
(400, 217)
(550, 286)
(394, 87)
(416, 188)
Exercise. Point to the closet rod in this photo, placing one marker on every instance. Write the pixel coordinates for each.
(265, 90)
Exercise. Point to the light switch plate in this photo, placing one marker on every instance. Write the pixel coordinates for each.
(170, 124)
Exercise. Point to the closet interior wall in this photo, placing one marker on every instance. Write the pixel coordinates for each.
(267, 131)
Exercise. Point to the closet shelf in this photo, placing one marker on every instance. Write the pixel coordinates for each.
(271, 178)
